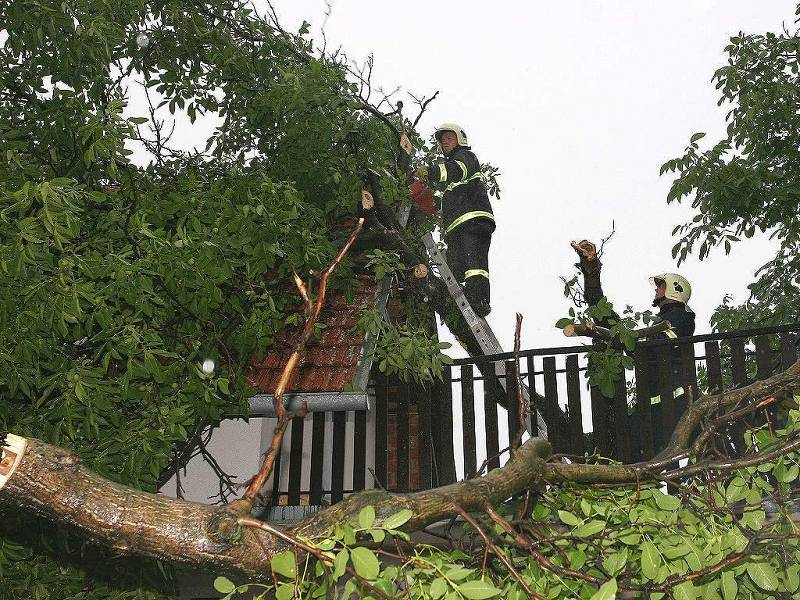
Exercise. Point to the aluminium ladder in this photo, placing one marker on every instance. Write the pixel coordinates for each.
(479, 327)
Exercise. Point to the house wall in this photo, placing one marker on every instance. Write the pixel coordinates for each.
(238, 448)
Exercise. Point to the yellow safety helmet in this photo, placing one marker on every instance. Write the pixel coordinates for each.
(678, 287)
(461, 135)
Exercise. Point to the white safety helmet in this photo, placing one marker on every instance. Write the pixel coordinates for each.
(461, 136)
(678, 287)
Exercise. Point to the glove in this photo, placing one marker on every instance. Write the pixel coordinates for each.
(421, 172)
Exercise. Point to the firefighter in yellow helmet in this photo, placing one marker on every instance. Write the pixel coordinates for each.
(468, 221)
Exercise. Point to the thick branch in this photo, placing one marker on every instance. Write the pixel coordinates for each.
(683, 436)
(284, 417)
(589, 329)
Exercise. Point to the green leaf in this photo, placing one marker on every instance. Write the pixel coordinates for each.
(398, 519)
(477, 590)
(326, 544)
(285, 591)
(754, 519)
(792, 578)
(224, 585)
(458, 573)
(615, 563)
(438, 588)
(685, 591)
(366, 517)
(340, 563)
(729, 585)
(568, 518)
(696, 137)
(593, 527)
(763, 575)
(378, 535)
(651, 560)
(284, 563)
(365, 562)
(607, 591)
(664, 502)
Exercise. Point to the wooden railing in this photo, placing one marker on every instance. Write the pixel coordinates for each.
(417, 437)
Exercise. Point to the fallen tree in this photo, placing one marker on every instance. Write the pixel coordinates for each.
(52, 483)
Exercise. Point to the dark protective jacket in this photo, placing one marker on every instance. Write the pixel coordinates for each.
(458, 175)
(681, 318)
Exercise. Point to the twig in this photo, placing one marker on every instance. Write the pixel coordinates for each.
(422, 106)
(522, 407)
(499, 553)
(315, 552)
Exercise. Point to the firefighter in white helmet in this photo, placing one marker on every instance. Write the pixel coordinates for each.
(468, 221)
(672, 293)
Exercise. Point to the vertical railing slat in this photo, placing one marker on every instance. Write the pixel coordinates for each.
(442, 414)
(337, 460)
(740, 379)
(621, 427)
(689, 370)
(533, 406)
(554, 433)
(738, 362)
(574, 404)
(468, 420)
(643, 357)
(492, 435)
(276, 478)
(296, 461)
(601, 433)
(763, 357)
(788, 350)
(666, 390)
(713, 367)
(359, 450)
(317, 457)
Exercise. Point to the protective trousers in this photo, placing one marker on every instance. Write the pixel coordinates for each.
(468, 257)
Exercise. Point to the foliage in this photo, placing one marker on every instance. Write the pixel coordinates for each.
(119, 277)
(404, 349)
(715, 539)
(607, 360)
(384, 262)
(749, 182)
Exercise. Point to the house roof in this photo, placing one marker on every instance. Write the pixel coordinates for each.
(330, 360)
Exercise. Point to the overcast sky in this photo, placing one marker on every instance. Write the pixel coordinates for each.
(578, 103)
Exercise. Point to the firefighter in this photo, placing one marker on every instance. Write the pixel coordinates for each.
(467, 218)
(672, 293)
(671, 297)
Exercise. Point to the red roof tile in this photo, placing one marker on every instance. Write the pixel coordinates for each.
(329, 361)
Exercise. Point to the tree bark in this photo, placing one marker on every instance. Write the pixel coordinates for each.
(52, 483)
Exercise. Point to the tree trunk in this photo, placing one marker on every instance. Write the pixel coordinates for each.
(51, 483)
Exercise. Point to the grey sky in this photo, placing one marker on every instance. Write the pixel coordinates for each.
(578, 103)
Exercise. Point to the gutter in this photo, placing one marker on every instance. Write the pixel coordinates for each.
(262, 405)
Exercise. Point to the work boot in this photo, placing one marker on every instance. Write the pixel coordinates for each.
(481, 308)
